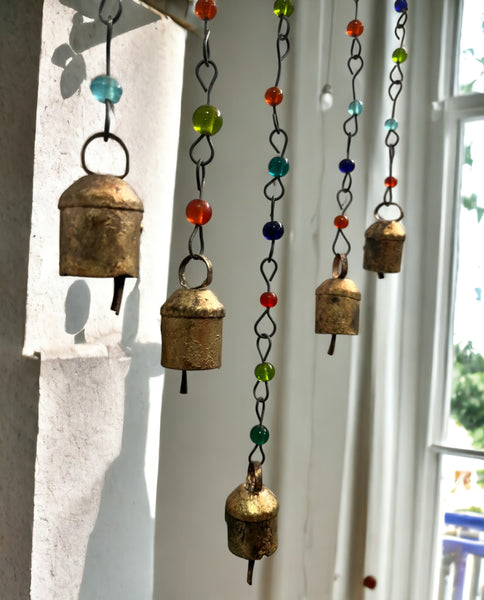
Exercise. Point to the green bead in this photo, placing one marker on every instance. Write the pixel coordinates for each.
(207, 120)
(283, 8)
(264, 371)
(399, 55)
(259, 434)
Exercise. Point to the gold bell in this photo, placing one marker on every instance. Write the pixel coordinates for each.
(338, 304)
(191, 327)
(100, 227)
(384, 247)
(251, 516)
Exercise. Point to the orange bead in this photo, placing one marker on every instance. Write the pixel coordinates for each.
(206, 9)
(274, 96)
(198, 212)
(391, 182)
(341, 221)
(354, 28)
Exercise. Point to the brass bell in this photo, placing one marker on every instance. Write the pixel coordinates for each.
(338, 304)
(100, 227)
(384, 247)
(251, 516)
(191, 327)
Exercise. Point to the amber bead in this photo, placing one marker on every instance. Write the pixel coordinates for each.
(206, 9)
(268, 299)
(341, 221)
(354, 28)
(274, 96)
(391, 182)
(199, 212)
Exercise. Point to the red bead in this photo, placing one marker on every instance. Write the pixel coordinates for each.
(206, 9)
(370, 582)
(341, 221)
(199, 212)
(391, 182)
(268, 299)
(354, 28)
(274, 96)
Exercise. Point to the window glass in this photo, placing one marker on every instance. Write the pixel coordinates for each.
(471, 53)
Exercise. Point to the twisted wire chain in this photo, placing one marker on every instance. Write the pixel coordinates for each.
(344, 197)
(265, 326)
(395, 88)
(206, 72)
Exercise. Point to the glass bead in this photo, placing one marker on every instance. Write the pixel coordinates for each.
(391, 124)
(354, 28)
(105, 88)
(399, 55)
(401, 5)
(207, 120)
(264, 371)
(274, 96)
(259, 434)
(346, 165)
(273, 230)
(283, 8)
(278, 166)
(199, 212)
(206, 9)
(341, 221)
(355, 107)
(391, 182)
(268, 299)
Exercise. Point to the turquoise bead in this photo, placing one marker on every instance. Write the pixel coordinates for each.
(105, 88)
(259, 434)
(355, 107)
(264, 371)
(391, 124)
(278, 166)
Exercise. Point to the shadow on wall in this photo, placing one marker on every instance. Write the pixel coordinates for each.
(88, 31)
(119, 557)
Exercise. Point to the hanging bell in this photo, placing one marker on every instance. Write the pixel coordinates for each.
(338, 303)
(191, 327)
(384, 247)
(251, 516)
(100, 227)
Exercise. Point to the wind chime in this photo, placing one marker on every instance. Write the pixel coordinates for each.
(385, 238)
(251, 509)
(338, 298)
(100, 215)
(191, 318)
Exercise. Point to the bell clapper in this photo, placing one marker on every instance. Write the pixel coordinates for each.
(184, 383)
(250, 571)
(332, 345)
(118, 293)
(381, 275)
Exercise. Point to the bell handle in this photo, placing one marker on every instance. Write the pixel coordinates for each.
(340, 266)
(111, 136)
(379, 218)
(254, 477)
(182, 276)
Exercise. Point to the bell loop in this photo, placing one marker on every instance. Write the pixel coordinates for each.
(182, 276)
(254, 477)
(111, 136)
(340, 266)
(380, 218)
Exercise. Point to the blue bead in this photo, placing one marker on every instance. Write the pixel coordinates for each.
(346, 165)
(278, 166)
(273, 230)
(391, 124)
(401, 5)
(105, 88)
(355, 107)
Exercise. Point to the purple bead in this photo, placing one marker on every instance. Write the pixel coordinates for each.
(401, 5)
(273, 230)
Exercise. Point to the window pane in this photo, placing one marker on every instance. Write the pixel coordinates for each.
(467, 402)
(471, 52)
